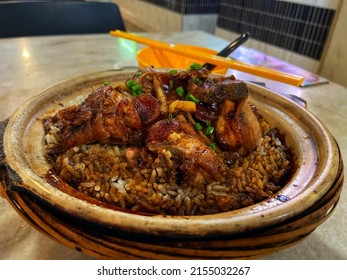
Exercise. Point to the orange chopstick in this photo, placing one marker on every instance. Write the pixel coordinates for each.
(213, 59)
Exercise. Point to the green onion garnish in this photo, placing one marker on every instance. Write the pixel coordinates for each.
(173, 72)
(138, 74)
(180, 91)
(171, 84)
(191, 97)
(213, 146)
(198, 126)
(170, 116)
(107, 83)
(130, 83)
(134, 87)
(195, 66)
(209, 128)
(196, 80)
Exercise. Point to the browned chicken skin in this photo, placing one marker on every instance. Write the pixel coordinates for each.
(222, 101)
(111, 114)
(216, 89)
(105, 116)
(237, 127)
(187, 150)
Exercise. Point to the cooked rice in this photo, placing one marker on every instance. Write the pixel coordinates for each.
(102, 171)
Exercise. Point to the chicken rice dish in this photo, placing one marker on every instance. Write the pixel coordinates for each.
(173, 143)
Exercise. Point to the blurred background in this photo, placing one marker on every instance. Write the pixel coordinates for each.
(308, 33)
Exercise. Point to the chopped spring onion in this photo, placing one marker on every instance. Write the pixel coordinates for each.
(173, 72)
(134, 87)
(130, 83)
(171, 84)
(209, 128)
(180, 91)
(213, 146)
(198, 126)
(107, 83)
(191, 97)
(195, 66)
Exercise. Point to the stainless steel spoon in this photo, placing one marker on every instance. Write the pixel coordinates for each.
(229, 49)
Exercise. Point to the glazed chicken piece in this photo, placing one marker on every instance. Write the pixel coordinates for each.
(207, 88)
(211, 89)
(222, 101)
(111, 114)
(189, 153)
(106, 115)
(237, 127)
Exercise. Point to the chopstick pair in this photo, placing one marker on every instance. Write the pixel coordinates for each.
(215, 60)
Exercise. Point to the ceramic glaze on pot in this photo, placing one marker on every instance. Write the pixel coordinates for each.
(316, 161)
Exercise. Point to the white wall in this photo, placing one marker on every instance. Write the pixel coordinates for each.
(150, 17)
(334, 62)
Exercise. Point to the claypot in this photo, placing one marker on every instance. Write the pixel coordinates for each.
(316, 156)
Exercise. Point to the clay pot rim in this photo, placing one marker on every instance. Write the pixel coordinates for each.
(317, 157)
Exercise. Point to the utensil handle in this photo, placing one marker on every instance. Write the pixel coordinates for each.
(235, 44)
(228, 49)
(213, 59)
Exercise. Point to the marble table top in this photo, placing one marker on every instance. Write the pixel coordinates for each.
(30, 65)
